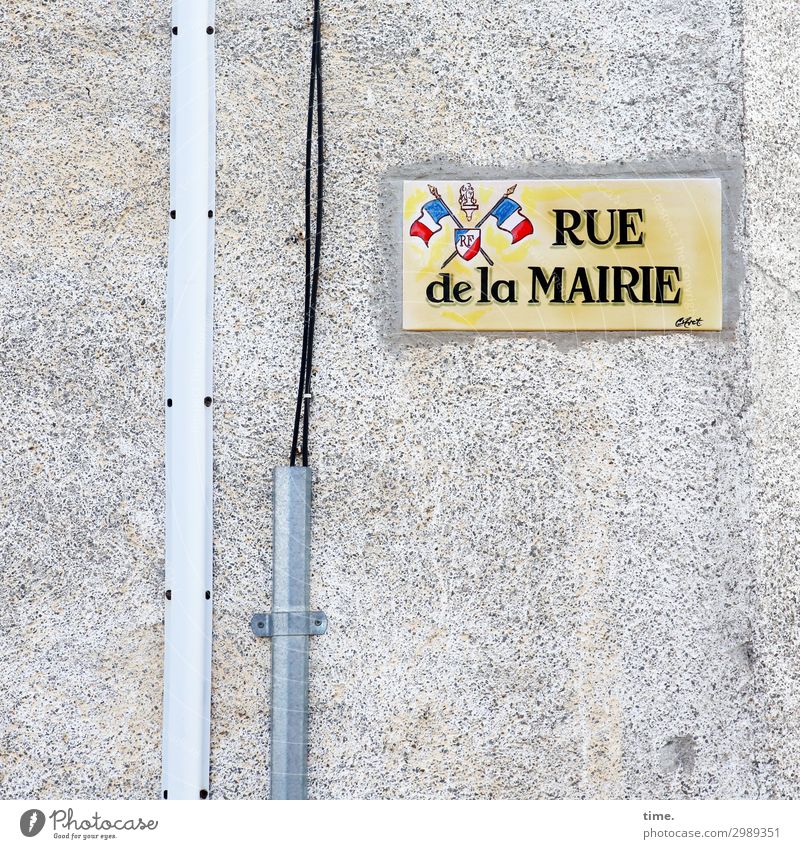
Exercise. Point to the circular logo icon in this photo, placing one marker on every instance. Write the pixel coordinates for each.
(31, 822)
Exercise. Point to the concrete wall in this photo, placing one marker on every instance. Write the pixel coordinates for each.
(549, 573)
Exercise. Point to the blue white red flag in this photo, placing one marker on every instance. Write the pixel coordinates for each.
(509, 218)
(428, 222)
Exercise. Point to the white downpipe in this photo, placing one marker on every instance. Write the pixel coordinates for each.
(187, 652)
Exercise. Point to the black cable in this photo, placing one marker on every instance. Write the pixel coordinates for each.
(307, 236)
(303, 401)
(317, 249)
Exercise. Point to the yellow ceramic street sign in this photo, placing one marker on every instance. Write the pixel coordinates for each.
(563, 255)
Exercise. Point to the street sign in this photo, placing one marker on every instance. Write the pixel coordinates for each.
(562, 255)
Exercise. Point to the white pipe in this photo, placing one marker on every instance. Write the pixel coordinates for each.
(187, 651)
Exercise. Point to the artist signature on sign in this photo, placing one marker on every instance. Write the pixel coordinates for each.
(688, 321)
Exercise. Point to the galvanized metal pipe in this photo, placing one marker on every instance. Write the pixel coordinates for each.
(291, 537)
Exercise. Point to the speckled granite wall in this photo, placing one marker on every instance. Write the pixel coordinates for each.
(549, 573)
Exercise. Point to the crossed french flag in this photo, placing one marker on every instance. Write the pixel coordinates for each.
(428, 223)
(506, 213)
(509, 218)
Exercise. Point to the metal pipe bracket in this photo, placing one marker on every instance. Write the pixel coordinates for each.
(289, 623)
